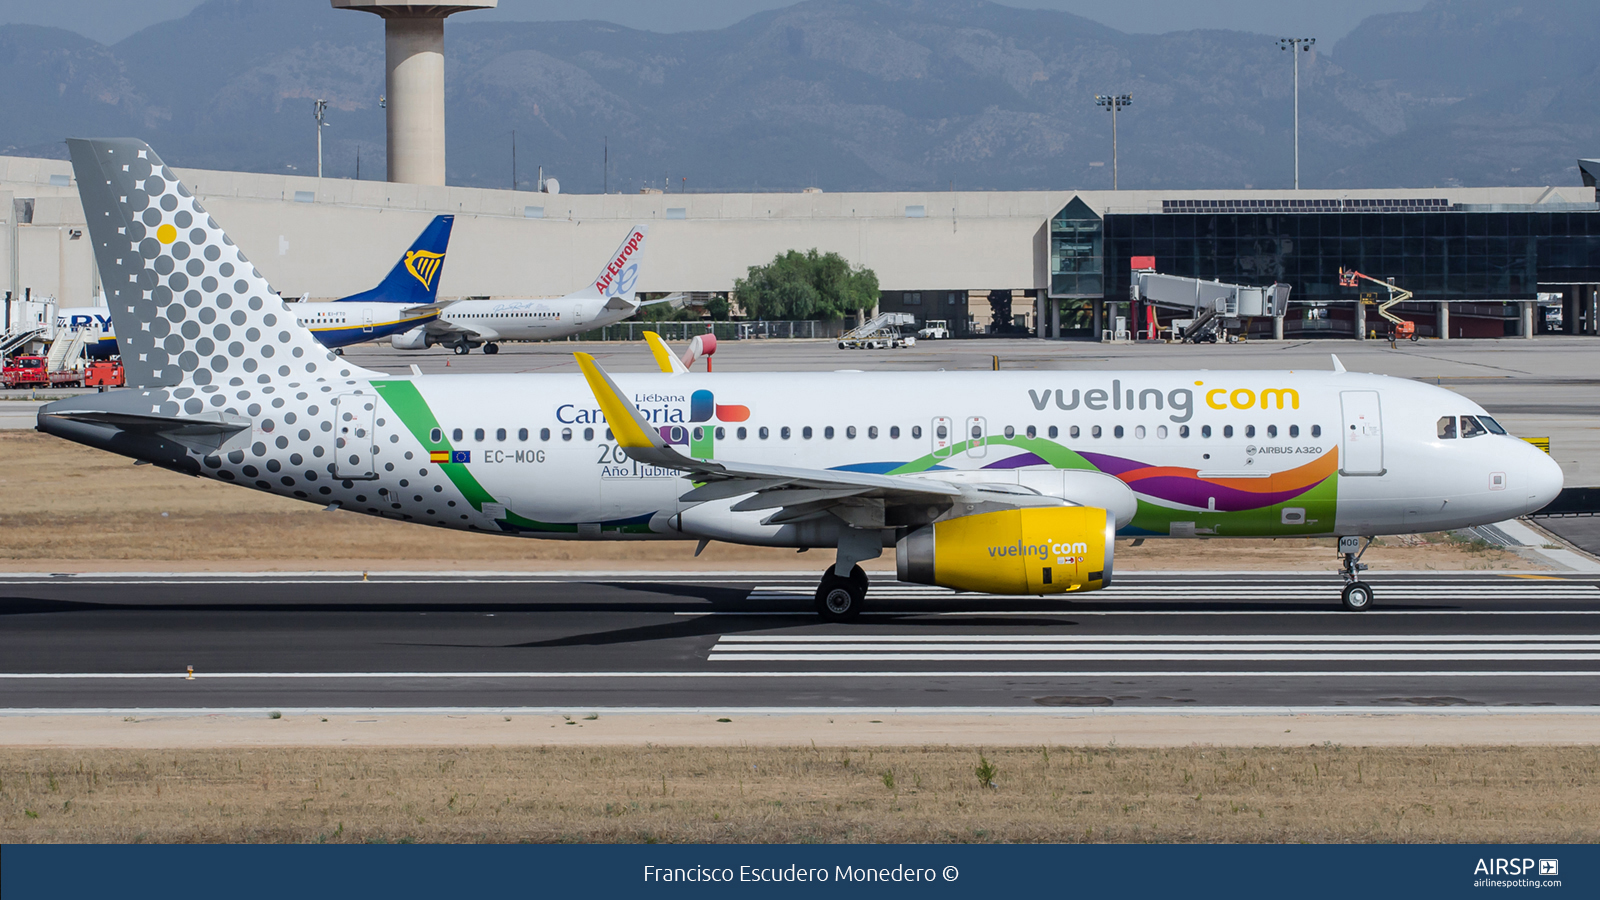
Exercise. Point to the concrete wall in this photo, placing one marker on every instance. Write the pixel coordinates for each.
(353, 231)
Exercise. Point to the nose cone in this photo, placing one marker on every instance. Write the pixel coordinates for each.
(1540, 477)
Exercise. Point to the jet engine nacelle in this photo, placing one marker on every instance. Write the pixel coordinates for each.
(415, 339)
(1034, 550)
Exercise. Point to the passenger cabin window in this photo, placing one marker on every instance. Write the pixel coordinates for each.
(742, 433)
(721, 433)
(806, 432)
(1074, 432)
(1316, 431)
(1250, 431)
(1138, 431)
(1470, 428)
(1227, 431)
(872, 432)
(916, 432)
(1053, 432)
(1272, 431)
(544, 434)
(1294, 431)
(1032, 432)
(894, 432)
(1447, 428)
(941, 432)
(762, 432)
(827, 432)
(588, 434)
(456, 435)
(1095, 432)
(850, 431)
(499, 434)
(1010, 432)
(1205, 431)
(1117, 431)
(522, 434)
(435, 436)
(566, 434)
(784, 432)
(477, 434)
(1183, 431)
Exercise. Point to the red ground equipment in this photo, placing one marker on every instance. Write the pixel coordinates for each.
(1399, 329)
(34, 372)
(106, 374)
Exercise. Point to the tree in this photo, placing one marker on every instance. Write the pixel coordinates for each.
(808, 285)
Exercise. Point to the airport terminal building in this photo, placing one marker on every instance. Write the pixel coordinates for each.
(1481, 262)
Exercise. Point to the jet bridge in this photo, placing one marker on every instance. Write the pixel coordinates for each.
(1215, 306)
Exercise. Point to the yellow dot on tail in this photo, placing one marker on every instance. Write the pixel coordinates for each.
(166, 234)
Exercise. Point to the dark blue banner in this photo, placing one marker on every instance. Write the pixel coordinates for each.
(589, 871)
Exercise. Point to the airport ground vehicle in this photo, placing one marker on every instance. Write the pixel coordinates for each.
(934, 330)
(105, 374)
(882, 332)
(1399, 329)
(34, 372)
(994, 482)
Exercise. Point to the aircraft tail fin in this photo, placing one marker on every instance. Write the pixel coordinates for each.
(187, 306)
(621, 273)
(415, 277)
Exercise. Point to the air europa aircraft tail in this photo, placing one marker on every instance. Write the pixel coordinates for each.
(621, 272)
(415, 278)
(189, 309)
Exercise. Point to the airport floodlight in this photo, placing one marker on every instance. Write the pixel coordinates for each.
(1111, 103)
(1304, 45)
(318, 110)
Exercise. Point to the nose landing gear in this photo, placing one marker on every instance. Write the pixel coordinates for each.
(1357, 595)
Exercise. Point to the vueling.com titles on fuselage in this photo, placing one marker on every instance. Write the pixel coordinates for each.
(1180, 400)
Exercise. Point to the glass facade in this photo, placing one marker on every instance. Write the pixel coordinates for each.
(1077, 243)
(1457, 255)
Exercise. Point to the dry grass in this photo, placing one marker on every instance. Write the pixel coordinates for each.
(66, 507)
(932, 794)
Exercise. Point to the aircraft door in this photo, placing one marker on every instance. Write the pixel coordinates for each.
(977, 430)
(353, 437)
(366, 318)
(941, 433)
(1362, 444)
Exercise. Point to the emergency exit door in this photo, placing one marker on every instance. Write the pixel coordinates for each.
(1362, 445)
(352, 436)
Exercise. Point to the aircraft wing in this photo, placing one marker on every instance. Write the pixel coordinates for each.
(476, 332)
(677, 300)
(665, 359)
(862, 499)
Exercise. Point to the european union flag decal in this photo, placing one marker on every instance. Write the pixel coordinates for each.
(461, 456)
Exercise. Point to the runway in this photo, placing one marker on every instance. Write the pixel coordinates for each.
(1151, 642)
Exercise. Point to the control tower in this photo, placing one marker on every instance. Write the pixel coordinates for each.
(414, 60)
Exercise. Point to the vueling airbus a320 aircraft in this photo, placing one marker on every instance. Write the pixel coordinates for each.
(1008, 483)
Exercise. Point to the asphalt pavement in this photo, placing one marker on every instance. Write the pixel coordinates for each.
(489, 642)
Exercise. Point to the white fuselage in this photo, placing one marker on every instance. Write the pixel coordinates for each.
(530, 454)
(526, 320)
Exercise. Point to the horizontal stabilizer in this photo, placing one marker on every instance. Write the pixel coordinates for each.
(206, 432)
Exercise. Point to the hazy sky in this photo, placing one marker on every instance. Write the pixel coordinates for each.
(109, 21)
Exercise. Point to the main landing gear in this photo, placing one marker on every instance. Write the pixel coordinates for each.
(838, 598)
(1357, 596)
(462, 348)
(491, 348)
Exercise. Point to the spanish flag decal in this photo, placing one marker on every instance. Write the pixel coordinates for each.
(438, 456)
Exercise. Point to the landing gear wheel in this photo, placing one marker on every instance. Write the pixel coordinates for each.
(841, 599)
(463, 349)
(491, 349)
(1357, 596)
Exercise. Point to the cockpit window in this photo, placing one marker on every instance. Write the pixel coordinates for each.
(1492, 425)
(1447, 428)
(1470, 428)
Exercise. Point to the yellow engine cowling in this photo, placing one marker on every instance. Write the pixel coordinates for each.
(1036, 550)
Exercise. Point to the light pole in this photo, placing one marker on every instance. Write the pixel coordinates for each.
(1113, 103)
(1304, 45)
(317, 111)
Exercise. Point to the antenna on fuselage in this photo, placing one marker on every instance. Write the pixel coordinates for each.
(1337, 366)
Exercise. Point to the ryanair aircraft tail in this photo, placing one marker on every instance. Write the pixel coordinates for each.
(187, 306)
(617, 280)
(414, 279)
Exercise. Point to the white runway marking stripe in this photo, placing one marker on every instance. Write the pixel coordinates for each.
(1239, 590)
(1156, 648)
(1031, 675)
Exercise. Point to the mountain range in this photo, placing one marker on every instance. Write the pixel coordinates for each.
(863, 95)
